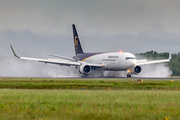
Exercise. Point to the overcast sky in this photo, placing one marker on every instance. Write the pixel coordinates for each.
(35, 27)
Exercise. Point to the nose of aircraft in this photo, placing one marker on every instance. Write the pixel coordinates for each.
(133, 63)
(131, 60)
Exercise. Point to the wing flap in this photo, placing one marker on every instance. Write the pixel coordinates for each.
(53, 61)
(96, 65)
(62, 57)
(62, 62)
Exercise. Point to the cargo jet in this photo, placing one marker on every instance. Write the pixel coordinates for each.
(86, 62)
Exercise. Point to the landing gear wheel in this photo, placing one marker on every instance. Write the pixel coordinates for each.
(128, 75)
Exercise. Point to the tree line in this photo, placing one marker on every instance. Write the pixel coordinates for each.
(174, 64)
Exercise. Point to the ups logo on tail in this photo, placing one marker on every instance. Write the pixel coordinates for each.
(76, 40)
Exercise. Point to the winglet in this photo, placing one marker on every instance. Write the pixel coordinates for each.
(170, 55)
(14, 52)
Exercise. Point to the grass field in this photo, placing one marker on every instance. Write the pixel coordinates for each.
(88, 84)
(51, 99)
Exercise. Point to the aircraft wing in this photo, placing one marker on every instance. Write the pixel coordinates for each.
(62, 57)
(64, 62)
(152, 62)
(145, 62)
(139, 61)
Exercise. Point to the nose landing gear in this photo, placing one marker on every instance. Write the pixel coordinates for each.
(129, 71)
(128, 75)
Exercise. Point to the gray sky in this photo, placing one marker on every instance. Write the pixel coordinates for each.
(35, 27)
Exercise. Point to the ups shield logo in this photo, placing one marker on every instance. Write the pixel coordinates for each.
(76, 40)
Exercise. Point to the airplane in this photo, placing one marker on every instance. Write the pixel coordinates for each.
(102, 61)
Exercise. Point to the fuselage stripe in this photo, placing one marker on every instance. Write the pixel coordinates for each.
(89, 57)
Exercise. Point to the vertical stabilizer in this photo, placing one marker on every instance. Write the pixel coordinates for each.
(77, 44)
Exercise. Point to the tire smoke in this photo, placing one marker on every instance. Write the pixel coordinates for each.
(155, 70)
(13, 67)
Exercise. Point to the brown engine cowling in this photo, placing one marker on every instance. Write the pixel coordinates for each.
(84, 69)
(137, 70)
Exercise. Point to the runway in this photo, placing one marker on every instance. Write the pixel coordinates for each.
(106, 77)
(110, 77)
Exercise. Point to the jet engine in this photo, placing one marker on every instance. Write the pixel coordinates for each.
(137, 70)
(84, 69)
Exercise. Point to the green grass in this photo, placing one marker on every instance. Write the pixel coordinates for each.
(88, 84)
(55, 98)
(174, 76)
(88, 104)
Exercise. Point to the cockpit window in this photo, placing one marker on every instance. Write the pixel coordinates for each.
(127, 58)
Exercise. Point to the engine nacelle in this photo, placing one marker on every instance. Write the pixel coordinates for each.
(84, 69)
(137, 70)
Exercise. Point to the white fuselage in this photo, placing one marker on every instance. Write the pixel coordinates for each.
(114, 61)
